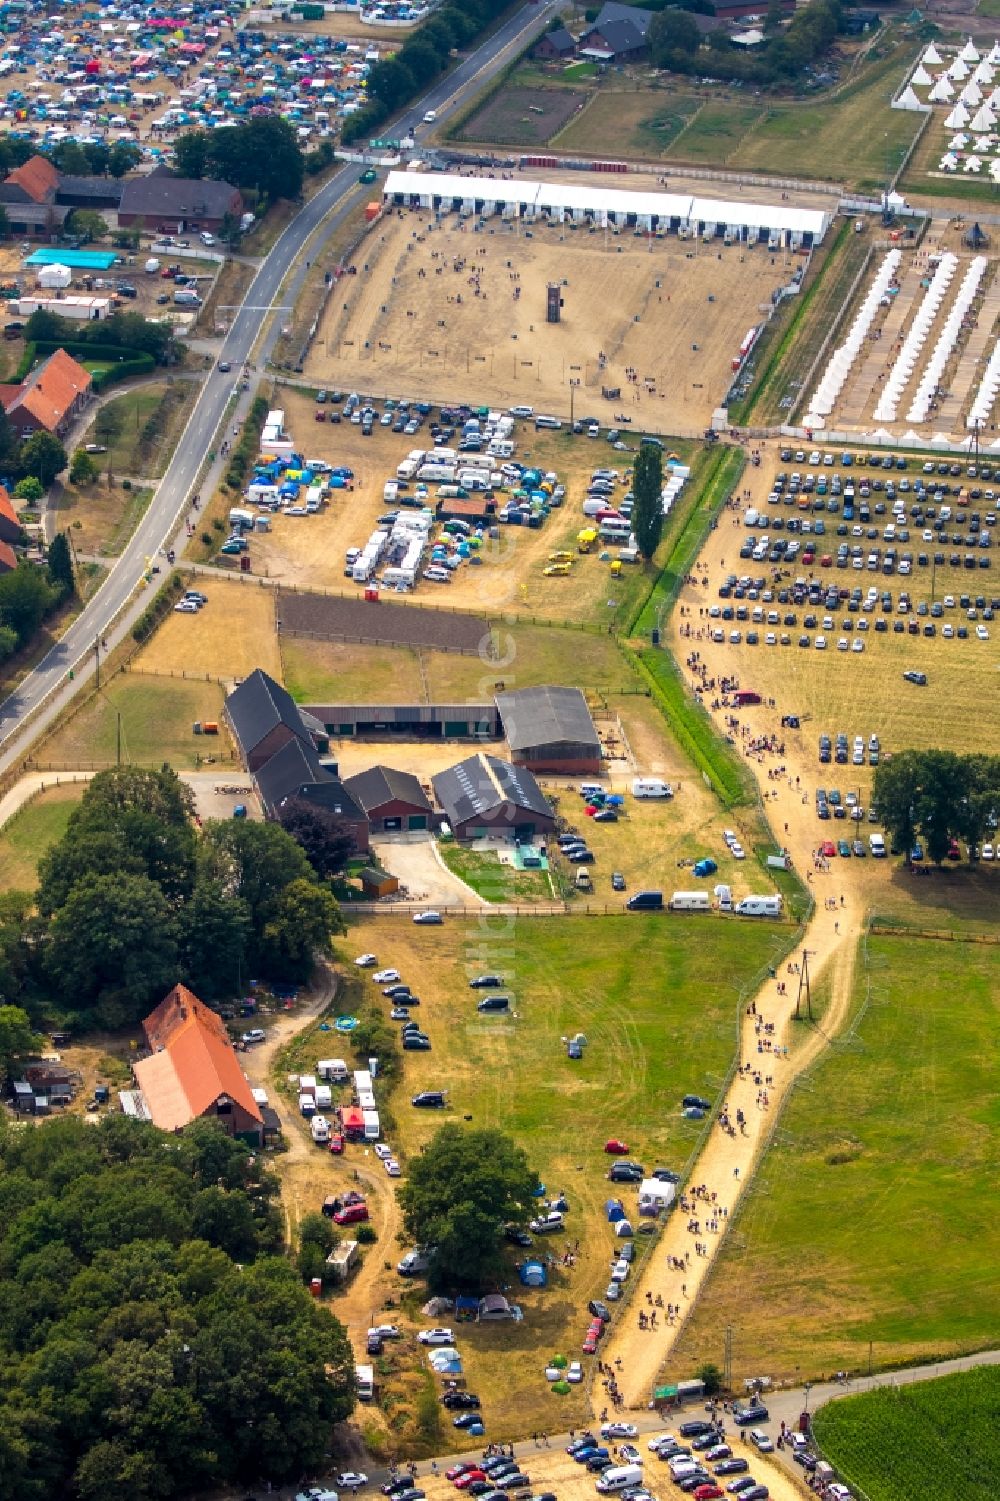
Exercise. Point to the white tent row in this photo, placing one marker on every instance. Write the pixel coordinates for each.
(947, 340)
(902, 370)
(989, 386)
(586, 197)
(824, 398)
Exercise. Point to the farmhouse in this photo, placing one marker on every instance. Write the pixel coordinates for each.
(192, 1072)
(161, 201)
(484, 795)
(8, 558)
(588, 202)
(295, 771)
(263, 717)
(554, 45)
(550, 729)
(412, 721)
(28, 195)
(620, 34)
(49, 397)
(393, 801)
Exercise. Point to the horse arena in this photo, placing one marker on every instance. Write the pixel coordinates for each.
(439, 309)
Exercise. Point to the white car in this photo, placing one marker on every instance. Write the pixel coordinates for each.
(820, 643)
(760, 1440)
(351, 1480)
(386, 976)
(982, 634)
(987, 852)
(737, 851)
(843, 644)
(618, 1430)
(436, 1337)
(574, 1372)
(186, 607)
(317, 1493)
(430, 116)
(857, 644)
(365, 961)
(430, 918)
(382, 1151)
(392, 1167)
(661, 1441)
(384, 1331)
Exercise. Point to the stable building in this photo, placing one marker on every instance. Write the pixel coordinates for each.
(408, 721)
(484, 796)
(393, 801)
(263, 717)
(295, 771)
(550, 729)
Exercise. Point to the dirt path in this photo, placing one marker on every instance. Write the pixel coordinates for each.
(678, 1269)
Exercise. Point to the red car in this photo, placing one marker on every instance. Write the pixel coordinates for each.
(336, 1143)
(319, 415)
(616, 1148)
(590, 1344)
(468, 1478)
(706, 1492)
(351, 1214)
(828, 849)
(459, 1469)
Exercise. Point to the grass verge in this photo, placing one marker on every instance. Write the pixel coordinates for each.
(32, 830)
(495, 882)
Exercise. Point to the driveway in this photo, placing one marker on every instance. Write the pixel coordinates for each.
(422, 876)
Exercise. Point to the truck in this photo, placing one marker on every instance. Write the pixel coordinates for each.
(690, 901)
(759, 906)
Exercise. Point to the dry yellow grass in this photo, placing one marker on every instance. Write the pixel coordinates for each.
(234, 633)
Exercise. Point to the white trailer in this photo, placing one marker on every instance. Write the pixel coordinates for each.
(690, 901)
(373, 1129)
(334, 1069)
(319, 1128)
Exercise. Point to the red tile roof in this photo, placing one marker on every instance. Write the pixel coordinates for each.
(195, 1064)
(50, 390)
(8, 559)
(37, 177)
(9, 523)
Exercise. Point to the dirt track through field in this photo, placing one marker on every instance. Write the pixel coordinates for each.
(727, 1161)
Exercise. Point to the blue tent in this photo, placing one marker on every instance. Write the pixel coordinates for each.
(533, 1274)
(614, 1211)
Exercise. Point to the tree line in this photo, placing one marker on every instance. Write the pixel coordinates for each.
(155, 1343)
(939, 797)
(135, 897)
(262, 155)
(29, 594)
(675, 42)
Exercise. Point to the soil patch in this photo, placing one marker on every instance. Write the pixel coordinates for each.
(378, 623)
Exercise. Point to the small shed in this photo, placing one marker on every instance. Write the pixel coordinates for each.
(533, 1274)
(493, 1308)
(377, 883)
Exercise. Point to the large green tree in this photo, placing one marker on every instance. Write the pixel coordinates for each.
(18, 1039)
(43, 456)
(458, 1193)
(26, 597)
(112, 947)
(60, 565)
(647, 509)
(327, 840)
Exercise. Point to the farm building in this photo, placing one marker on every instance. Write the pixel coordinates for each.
(393, 801)
(81, 309)
(588, 202)
(483, 795)
(412, 721)
(10, 527)
(192, 1072)
(161, 201)
(554, 45)
(8, 558)
(28, 195)
(619, 34)
(550, 729)
(375, 884)
(296, 771)
(330, 793)
(49, 397)
(263, 717)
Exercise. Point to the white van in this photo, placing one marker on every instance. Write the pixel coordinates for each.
(876, 843)
(724, 896)
(619, 1478)
(206, 238)
(364, 1382)
(549, 422)
(759, 906)
(651, 787)
(690, 901)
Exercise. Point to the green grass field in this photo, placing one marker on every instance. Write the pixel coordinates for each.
(156, 718)
(657, 1000)
(25, 839)
(935, 1438)
(870, 1227)
(495, 882)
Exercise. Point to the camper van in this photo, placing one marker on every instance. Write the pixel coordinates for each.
(373, 1129)
(876, 843)
(690, 901)
(364, 1382)
(651, 787)
(319, 1127)
(759, 906)
(333, 1069)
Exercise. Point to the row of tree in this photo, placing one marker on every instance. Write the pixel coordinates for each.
(154, 1342)
(133, 899)
(262, 154)
(675, 43)
(76, 158)
(939, 797)
(123, 330)
(392, 84)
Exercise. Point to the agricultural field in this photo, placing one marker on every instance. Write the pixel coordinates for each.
(26, 837)
(230, 636)
(523, 116)
(930, 1438)
(867, 1235)
(149, 717)
(659, 1012)
(486, 332)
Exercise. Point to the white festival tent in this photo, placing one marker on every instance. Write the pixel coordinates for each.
(958, 117)
(942, 92)
(968, 53)
(908, 100)
(824, 398)
(902, 371)
(921, 76)
(932, 57)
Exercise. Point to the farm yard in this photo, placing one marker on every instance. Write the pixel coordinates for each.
(882, 1153)
(487, 332)
(899, 1442)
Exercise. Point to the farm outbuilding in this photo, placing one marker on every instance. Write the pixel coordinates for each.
(589, 202)
(394, 801)
(263, 717)
(483, 795)
(550, 729)
(410, 721)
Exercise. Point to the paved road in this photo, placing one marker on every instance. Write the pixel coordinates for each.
(47, 689)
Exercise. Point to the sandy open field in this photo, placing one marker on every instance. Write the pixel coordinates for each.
(447, 313)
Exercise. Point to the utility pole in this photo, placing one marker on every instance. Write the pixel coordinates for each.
(118, 739)
(97, 660)
(804, 986)
(727, 1360)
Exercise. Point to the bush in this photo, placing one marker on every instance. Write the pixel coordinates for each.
(366, 1235)
(158, 607)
